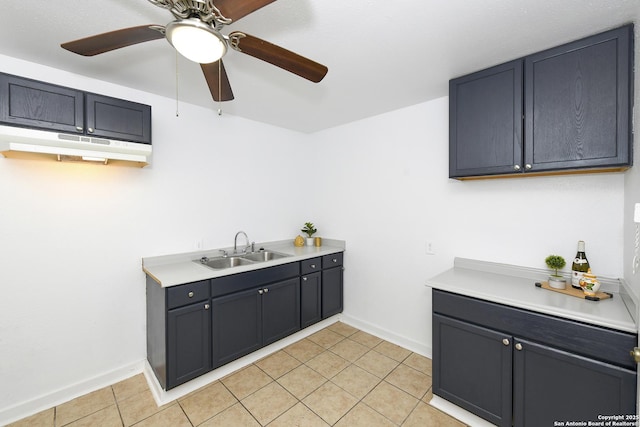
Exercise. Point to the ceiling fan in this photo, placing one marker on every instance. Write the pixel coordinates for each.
(195, 33)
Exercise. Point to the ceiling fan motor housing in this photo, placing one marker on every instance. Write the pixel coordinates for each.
(205, 10)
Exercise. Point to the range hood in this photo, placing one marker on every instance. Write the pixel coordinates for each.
(16, 142)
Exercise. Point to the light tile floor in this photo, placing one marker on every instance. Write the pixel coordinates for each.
(339, 376)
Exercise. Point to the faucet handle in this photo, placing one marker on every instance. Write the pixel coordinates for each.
(224, 253)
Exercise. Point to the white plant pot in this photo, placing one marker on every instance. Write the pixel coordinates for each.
(309, 241)
(557, 282)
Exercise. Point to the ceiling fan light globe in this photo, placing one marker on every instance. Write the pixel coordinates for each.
(196, 41)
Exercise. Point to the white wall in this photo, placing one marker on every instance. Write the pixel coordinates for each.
(72, 311)
(389, 193)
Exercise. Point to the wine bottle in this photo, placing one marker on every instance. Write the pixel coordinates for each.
(580, 266)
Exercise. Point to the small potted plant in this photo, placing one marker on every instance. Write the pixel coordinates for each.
(309, 229)
(556, 262)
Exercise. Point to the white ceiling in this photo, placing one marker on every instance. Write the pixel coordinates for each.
(381, 55)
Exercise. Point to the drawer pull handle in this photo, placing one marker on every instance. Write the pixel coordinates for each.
(335, 260)
(313, 266)
(518, 346)
(190, 294)
(304, 279)
(505, 341)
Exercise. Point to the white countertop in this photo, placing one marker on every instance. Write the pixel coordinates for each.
(177, 269)
(515, 286)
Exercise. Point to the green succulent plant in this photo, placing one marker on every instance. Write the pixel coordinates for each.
(309, 229)
(555, 262)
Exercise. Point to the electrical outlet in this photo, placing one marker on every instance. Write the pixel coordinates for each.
(636, 214)
(429, 250)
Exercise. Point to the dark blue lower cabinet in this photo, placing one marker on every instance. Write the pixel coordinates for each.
(196, 327)
(245, 321)
(280, 310)
(517, 367)
(554, 385)
(189, 338)
(472, 368)
(236, 325)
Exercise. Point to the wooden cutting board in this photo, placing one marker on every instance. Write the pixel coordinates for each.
(569, 290)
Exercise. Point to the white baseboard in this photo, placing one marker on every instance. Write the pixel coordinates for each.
(458, 413)
(57, 397)
(409, 344)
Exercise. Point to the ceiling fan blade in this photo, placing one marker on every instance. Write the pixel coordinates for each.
(278, 56)
(217, 81)
(236, 9)
(106, 42)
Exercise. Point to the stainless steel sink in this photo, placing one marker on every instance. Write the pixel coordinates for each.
(224, 262)
(262, 256)
(237, 260)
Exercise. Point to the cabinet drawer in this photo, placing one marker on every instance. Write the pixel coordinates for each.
(593, 341)
(332, 260)
(186, 294)
(310, 265)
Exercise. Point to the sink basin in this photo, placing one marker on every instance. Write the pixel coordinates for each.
(237, 260)
(225, 262)
(264, 256)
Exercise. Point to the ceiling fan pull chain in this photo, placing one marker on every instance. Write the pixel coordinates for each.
(220, 86)
(177, 85)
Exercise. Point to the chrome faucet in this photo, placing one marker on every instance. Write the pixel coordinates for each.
(235, 242)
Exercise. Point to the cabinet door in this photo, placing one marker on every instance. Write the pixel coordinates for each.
(331, 292)
(472, 368)
(485, 122)
(577, 103)
(311, 298)
(118, 119)
(29, 103)
(280, 310)
(236, 325)
(189, 343)
(552, 385)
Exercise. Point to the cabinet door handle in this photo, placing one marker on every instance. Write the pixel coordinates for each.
(90, 130)
(266, 290)
(304, 279)
(505, 341)
(206, 306)
(79, 128)
(260, 291)
(518, 346)
(190, 294)
(528, 167)
(516, 167)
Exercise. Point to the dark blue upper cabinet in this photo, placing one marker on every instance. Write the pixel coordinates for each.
(485, 121)
(564, 109)
(577, 103)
